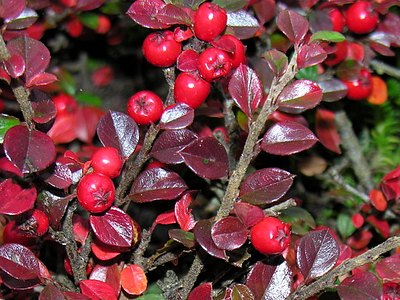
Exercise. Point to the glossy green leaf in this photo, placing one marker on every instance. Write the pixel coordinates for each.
(88, 99)
(345, 226)
(310, 73)
(6, 122)
(328, 36)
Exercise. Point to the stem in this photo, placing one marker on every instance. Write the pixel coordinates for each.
(328, 280)
(382, 68)
(138, 255)
(191, 277)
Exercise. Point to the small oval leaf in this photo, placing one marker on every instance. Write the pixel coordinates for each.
(325, 128)
(229, 233)
(97, 290)
(293, 25)
(144, 12)
(178, 116)
(133, 280)
(14, 199)
(202, 233)
(360, 286)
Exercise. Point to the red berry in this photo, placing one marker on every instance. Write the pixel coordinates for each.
(65, 104)
(214, 64)
(270, 236)
(209, 21)
(361, 17)
(391, 291)
(104, 25)
(337, 19)
(360, 88)
(161, 49)
(145, 107)
(38, 223)
(107, 161)
(339, 55)
(74, 27)
(95, 192)
(237, 54)
(191, 89)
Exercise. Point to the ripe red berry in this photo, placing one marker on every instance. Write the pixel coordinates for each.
(74, 27)
(191, 89)
(270, 236)
(38, 223)
(145, 107)
(104, 25)
(95, 192)
(337, 19)
(214, 64)
(107, 161)
(361, 87)
(65, 104)
(361, 17)
(161, 49)
(209, 21)
(338, 56)
(238, 53)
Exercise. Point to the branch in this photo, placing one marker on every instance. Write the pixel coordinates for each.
(274, 210)
(382, 68)
(329, 279)
(138, 255)
(191, 277)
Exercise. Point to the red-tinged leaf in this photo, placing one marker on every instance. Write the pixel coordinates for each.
(326, 131)
(229, 233)
(145, 12)
(97, 290)
(317, 253)
(382, 226)
(87, 118)
(50, 292)
(24, 20)
(75, 296)
(226, 45)
(167, 145)
(299, 96)
(277, 61)
(310, 55)
(11, 8)
(265, 10)
(80, 228)
(202, 233)
(388, 269)
(41, 79)
(157, 184)
(177, 116)
(248, 214)
(245, 89)
(183, 213)
(360, 240)
(105, 252)
(109, 274)
(278, 116)
(54, 206)
(390, 184)
(203, 291)
(88, 4)
(360, 286)
(63, 129)
(17, 284)
(241, 24)
(187, 61)
(241, 292)
(43, 107)
(4, 76)
(186, 238)
(14, 199)
(118, 130)
(114, 228)
(59, 176)
(378, 199)
(293, 25)
(173, 15)
(133, 280)
(332, 90)
(270, 282)
(265, 186)
(206, 157)
(15, 65)
(165, 218)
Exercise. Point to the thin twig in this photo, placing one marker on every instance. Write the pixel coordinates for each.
(276, 209)
(191, 277)
(138, 255)
(382, 68)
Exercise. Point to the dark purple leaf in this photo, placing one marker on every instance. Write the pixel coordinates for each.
(202, 233)
(317, 253)
(361, 286)
(187, 61)
(265, 186)
(51, 292)
(186, 238)
(145, 12)
(114, 228)
(242, 24)
(11, 8)
(293, 25)
(15, 65)
(59, 176)
(167, 145)
(270, 282)
(310, 55)
(75, 296)
(203, 292)
(229, 233)
(30, 151)
(332, 90)
(382, 49)
(172, 15)
(265, 10)
(25, 19)
(43, 107)
(241, 292)
(248, 214)
(388, 268)
(245, 89)
(299, 96)
(18, 284)
(226, 45)
(14, 199)
(206, 157)
(277, 61)
(183, 213)
(177, 116)
(118, 130)
(157, 184)
(319, 20)
(285, 138)
(96, 289)
(54, 207)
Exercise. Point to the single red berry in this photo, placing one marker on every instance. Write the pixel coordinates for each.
(209, 21)
(65, 104)
(361, 17)
(191, 89)
(161, 49)
(337, 19)
(361, 87)
(37, 224)
(95, 192)
(391, 291)
(270, 236)
(107, 161)
(237, 54)
(145, 107)
(74, 27)
(338, 56)
(214, 64)
(104, 25)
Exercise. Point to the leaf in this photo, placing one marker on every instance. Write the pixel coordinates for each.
(286, 138)
(133, 280)
(345, 226)
(379, 93)
(97, 290)
(75, 296)
(326, 130)
(202, 233)
(248, 214)
(183, 213)
(245, 89)
(51, 292)
(232, 5)
(327, 36)
(114, 228)
(187, 61)
(88, 99)
(360, 286)
(265, 10)
(310, 73)
(165, 218)
(388, 268)
(63, 129)
(270, 282)
(332, 90)
(241, 292)
(177, 116)
(15, 65)
(206, 157)
(317, 253)
(105, 252)
(118, 130)
(293, 25)
(110, 274)
(144, 12)
(300, 96)
(11, 8)
(167, 146)
(301, 220)
(310, 55)
(277, 61)
(54, 207)
(87, 120)
(186, 238)
(173, 15)
(14, 199)
(24, 20)
(156, 184)
(6, 122)
(60, 175)
(203, 292)
(43, 107)
(33, 152)
(265, 186)
(241, 24)
(41, 79)
(229, 233)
